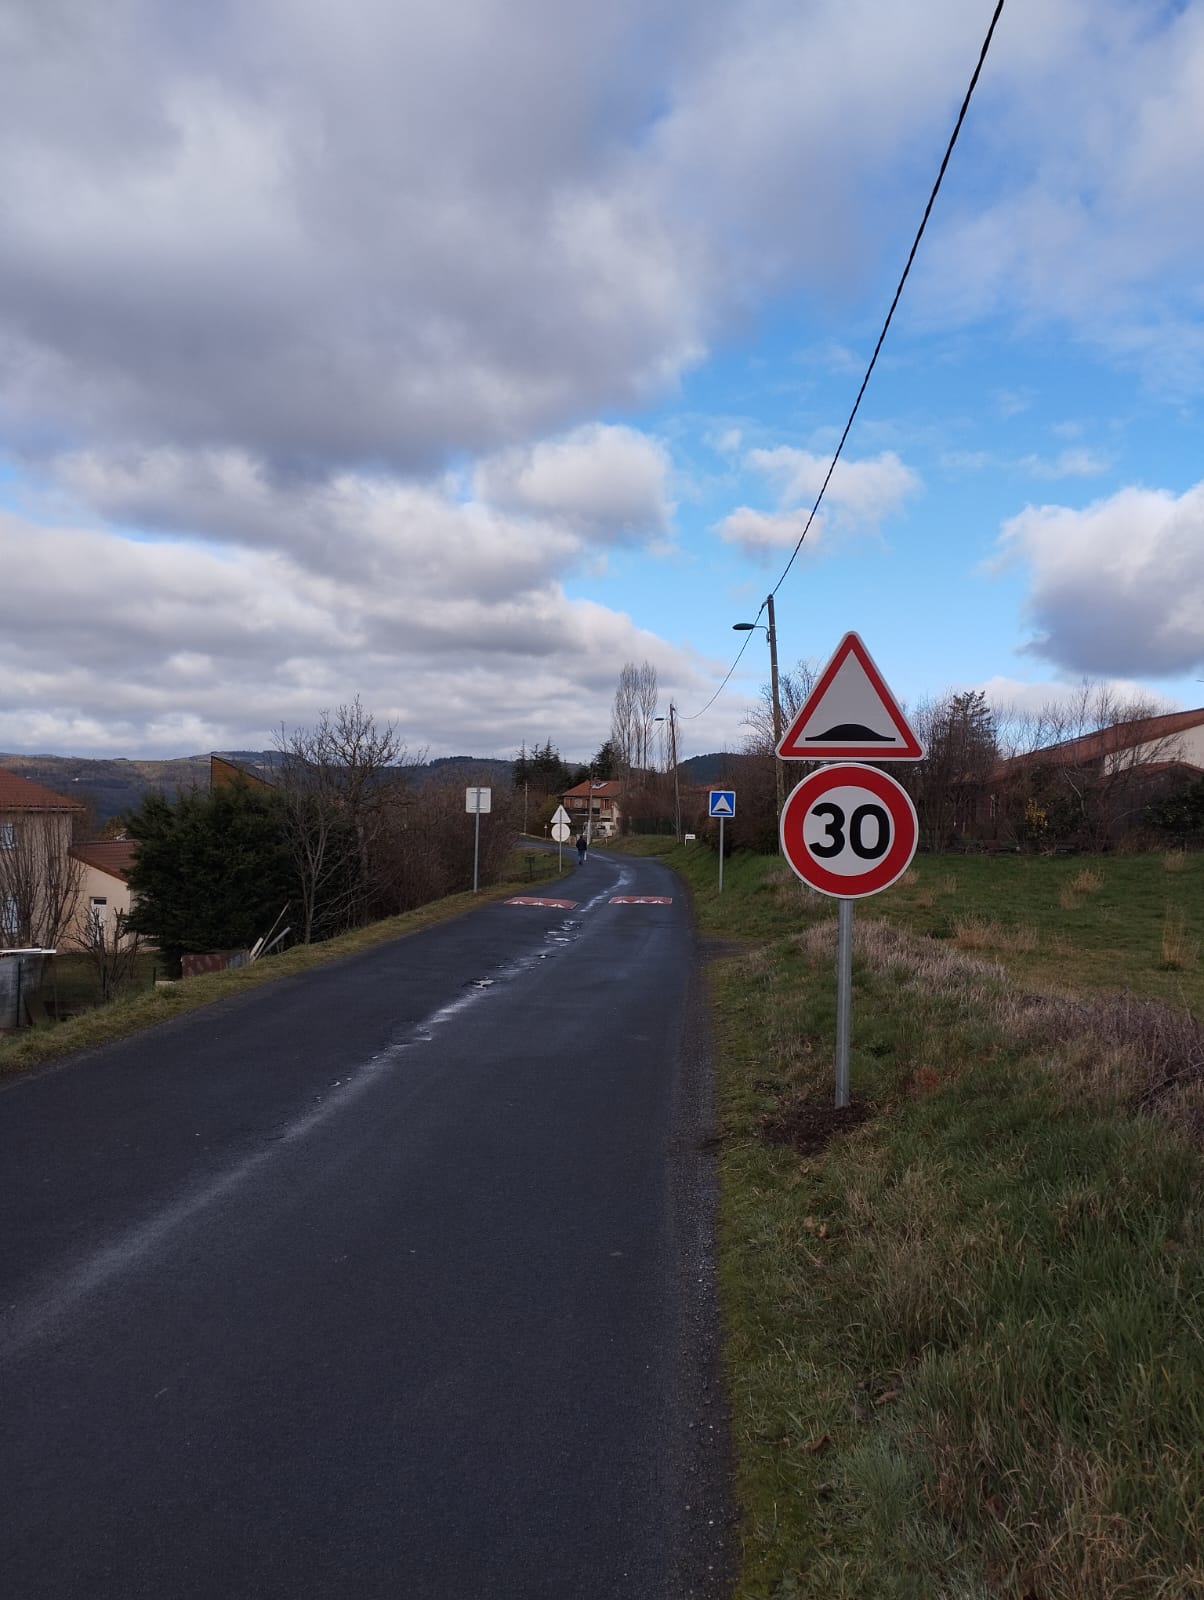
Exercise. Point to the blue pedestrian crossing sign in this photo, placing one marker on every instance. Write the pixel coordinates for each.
(723, 802)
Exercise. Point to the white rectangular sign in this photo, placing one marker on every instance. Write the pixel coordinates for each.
(477, 800)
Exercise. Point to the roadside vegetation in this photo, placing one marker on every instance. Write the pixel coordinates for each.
(965, 1318)
(145, 1001)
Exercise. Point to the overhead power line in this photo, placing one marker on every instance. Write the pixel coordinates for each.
(911, 255)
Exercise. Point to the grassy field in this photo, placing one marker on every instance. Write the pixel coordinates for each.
(144, 1005)
(965, 1320)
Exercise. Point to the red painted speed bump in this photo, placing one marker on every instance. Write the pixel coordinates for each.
(534, 900)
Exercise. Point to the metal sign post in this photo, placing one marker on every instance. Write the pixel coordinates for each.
(849, 831)
(561, 828)
(844, 998)
(476, 801)
(722, 805)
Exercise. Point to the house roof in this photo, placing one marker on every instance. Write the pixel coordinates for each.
(114, 856)
(223, 773)
(611, 789)
(1107, 741)
(18, 794)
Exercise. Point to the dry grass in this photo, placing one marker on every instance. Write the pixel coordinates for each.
(1178, 950)
(983, 933)
(1117, 1053)
(1086, 881)
(1174, 861)
(789, 890)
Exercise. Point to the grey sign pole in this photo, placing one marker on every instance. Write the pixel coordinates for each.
(844, 997)
(476, 801)
(720, 855)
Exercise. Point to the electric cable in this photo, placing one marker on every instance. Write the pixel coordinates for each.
(911, 255)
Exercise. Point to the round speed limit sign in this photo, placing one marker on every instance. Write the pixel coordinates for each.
(849, 830)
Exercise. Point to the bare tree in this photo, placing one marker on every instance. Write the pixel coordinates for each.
(794, 685)
(39, 880)
(112, 950)
(646, 691)
(633, 716)
(337, 782)
(622, 719)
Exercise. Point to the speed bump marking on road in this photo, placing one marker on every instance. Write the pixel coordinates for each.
(534, 900)
(642, 900)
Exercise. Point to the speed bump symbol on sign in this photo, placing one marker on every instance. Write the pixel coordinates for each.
(849, 830)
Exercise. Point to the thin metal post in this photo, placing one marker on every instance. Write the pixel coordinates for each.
(476, 846)
(779, 770)
(720, 855)
(844, 998)
(676, 789)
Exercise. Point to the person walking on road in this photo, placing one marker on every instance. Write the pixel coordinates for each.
(582, 847)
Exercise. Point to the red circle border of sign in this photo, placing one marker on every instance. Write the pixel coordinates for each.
(885, 788)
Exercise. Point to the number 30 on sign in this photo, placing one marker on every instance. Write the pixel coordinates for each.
(849, 830)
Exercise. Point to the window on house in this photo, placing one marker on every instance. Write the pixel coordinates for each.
(8, 916)
(8, 835)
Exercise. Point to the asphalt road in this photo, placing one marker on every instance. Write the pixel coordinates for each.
(391, 1280)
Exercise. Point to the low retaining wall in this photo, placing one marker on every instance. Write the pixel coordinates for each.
(192, 966)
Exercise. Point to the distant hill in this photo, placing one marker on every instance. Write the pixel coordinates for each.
(482, 769)
(710, 769)
(114, 785)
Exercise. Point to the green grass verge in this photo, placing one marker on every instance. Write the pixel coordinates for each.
(964, 1334)
(32, 1047)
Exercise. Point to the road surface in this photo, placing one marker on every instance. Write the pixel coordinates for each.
(391, 1280)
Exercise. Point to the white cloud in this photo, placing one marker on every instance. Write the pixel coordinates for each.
(1076, 463)
(865, 492)
(860, 497)
(338, 236)
(464, 634)
(609, 483)
(762, 534)
(1118, 587)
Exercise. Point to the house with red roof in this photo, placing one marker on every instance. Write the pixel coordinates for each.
(593, 807)
(38, 879)
(104, 887)
(1095, 787)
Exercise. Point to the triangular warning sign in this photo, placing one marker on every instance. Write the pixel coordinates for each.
(721, 805)
(850, 715)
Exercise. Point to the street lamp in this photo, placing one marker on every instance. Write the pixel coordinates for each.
(673, 758)
(771, 631)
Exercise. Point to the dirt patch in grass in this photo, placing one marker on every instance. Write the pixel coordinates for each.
(808, 1125)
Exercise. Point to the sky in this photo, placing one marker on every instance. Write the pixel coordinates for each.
(454, 354)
